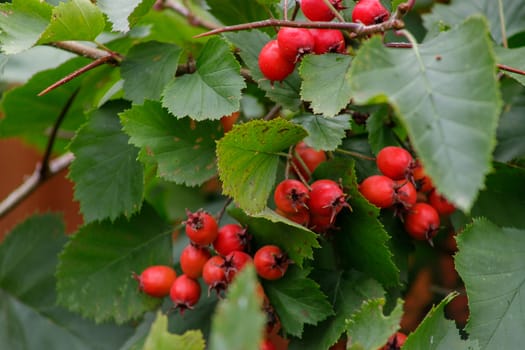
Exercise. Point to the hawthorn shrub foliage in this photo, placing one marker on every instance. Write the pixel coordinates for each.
(142, 116)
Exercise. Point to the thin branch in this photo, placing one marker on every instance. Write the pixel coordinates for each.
(510, 69)
(354, 154)
(44, 169)
(98, 62)
(86, 51)
(33, 182)
(186, 12)
(357, 28)
(273, 113)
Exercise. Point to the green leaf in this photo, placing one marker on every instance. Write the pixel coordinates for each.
(109, 181)
(268, 227)
(446, 93)
(369, 328)
(436, 332)
(458, 10)
(160, 339)
(380, 134)
(147, 68)
(239, 321)
(298, 301)
(74, 20)
(248, 157)
(325, 82)
(514, 59)
(28, 311)
(213, 91)
(21, 23)
(504, 187)
(96, 266)
(347, 291)
(362, 240)
(183, 149)
(237, 11)
(511, 129)
(324, 133)
(119, 11)
(20, 106)
(490, 262)
(250, 43)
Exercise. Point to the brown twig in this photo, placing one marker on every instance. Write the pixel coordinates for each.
(357, 28)
(98, 62)
(273, 113)
(86, 51)
(510, 69)
(33, 182)
(44, 169)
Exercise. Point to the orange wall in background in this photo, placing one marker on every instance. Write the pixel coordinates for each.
(18, 161)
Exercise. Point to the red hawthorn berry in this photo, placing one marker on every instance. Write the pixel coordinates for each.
(395, 342)
(301, 217)
(421, 179)
(405, 194)
(321, 223)
(422, 222)
(271, 262)
(156, 280)
(227, 121)
(214, 274)
(328, 40)
(378, 190)
(294, 43)
(185, 292)
(192, 260)
(235, 262)
(440, 203)
(201, 227)
(369, 12)
(316, 10)
(395, 162)
(309, 157)
(273, 65)
(326, 199)
(231, 237)
(291, 195)
(267, 344)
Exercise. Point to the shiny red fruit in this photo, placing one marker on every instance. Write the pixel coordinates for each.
(235, 262)
(395, 162)
(271, 262)
(306, 159)
(201, 227)
(290, 196)
(273, 65)
(267, 344)
(185, 292)
(378, 190)
(320, 223)
(156, 280)
(231, 237)
(326, 198)
(421, 179)
(369, 12)
(422, 221)
(301, 217)
(316, 10)
(192, 260)
(328, 40)
(214, 274)
(294, 43)
(440, 203)
(405, 193)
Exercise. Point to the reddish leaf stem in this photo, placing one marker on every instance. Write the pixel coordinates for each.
(98, 62)
(510, 69)
(185, 11)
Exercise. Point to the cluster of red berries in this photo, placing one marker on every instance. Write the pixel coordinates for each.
(404, 186)
(230, 244)
(278, 57)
